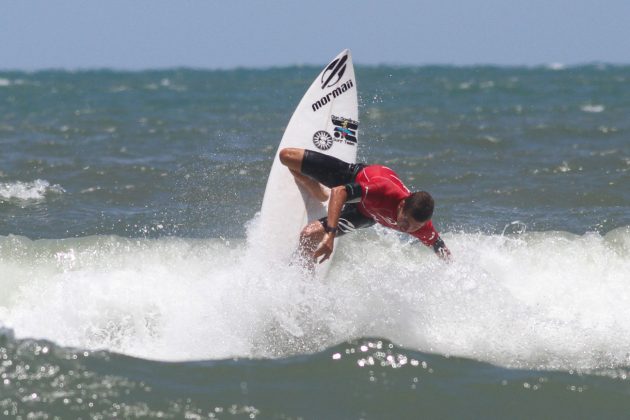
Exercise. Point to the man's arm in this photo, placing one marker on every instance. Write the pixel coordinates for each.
(338, 197)
(430, 237)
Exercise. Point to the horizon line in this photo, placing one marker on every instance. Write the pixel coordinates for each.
(78, 69)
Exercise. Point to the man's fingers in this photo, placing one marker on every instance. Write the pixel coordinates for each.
(322, 251)
(318, 252)
(325, 257)
(445, 254)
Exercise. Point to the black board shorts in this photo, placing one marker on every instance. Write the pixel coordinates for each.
(333, 172)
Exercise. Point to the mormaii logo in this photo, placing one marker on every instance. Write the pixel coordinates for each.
(334, 72)
(339, 90)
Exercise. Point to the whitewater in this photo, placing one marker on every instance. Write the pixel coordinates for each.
(551, 300)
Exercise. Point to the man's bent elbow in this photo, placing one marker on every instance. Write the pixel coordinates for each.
(339, 192)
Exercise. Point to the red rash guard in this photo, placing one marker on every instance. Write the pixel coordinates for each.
(381, 192)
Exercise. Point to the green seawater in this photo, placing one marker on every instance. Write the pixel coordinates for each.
(130, 285)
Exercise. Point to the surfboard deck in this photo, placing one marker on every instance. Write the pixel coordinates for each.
(326, 121)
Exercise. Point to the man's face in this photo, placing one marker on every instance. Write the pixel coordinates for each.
(405, 221)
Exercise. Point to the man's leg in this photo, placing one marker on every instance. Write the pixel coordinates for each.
(292, 159)
(323, 172)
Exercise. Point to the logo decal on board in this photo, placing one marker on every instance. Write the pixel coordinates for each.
(345, 129)
(334, 72)
(339, 90)
(322, 140)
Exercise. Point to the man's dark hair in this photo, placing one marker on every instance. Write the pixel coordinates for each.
(419, 205)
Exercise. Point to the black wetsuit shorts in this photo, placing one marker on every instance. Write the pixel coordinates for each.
(333, 172)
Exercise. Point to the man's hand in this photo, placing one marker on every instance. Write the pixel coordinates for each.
(444, 253)
(441, 250)
(325, 247)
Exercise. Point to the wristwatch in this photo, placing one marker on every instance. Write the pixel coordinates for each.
(330, 229)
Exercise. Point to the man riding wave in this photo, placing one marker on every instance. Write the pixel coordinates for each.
(360, 196)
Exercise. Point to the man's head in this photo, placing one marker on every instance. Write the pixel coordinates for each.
(415, 211)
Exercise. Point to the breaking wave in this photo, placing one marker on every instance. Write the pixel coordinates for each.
(536, 300)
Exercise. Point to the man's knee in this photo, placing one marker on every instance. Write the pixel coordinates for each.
(292, 158)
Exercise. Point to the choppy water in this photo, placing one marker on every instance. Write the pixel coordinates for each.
(131, 285)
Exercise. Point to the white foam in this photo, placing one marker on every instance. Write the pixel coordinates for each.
(4, 82)
(35, 190)
(556, 66)
(550, 299)
(593, 108)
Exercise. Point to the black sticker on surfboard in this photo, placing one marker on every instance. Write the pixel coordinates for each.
(334, 72)
(345, 129)
(322, 140)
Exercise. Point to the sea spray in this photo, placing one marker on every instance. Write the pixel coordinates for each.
(536, 300)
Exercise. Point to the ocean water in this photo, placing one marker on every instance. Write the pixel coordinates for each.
(132, 281)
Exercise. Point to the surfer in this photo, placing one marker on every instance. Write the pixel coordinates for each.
(359, 196)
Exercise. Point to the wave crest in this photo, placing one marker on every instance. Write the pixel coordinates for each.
(25, 191)
(538, 299)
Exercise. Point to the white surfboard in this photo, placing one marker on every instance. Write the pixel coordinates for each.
(326, 120)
